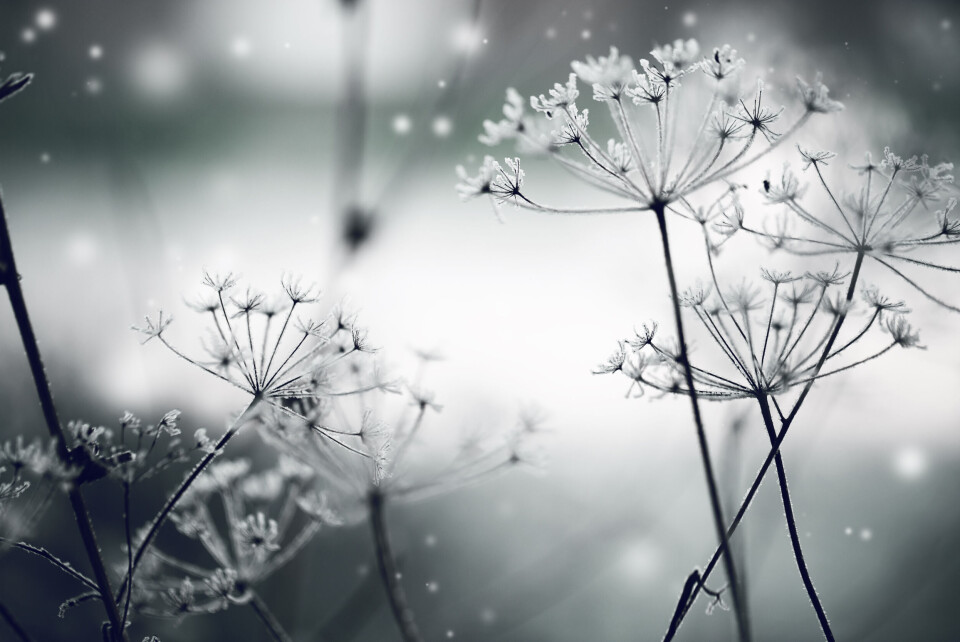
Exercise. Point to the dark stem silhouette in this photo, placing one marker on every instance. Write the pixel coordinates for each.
(743, 625)
(11, 279)
(387, 564)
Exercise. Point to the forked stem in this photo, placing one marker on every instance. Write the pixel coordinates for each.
(792, 522)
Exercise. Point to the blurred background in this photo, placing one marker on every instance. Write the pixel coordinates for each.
(320, 137)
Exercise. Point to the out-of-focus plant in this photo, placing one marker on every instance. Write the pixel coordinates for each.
(351, 490)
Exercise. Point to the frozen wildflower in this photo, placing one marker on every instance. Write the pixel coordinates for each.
(658, 158)
(757, 117)
(131, 452)
(342, 487)
(257, 536)
(763, 347)
(508, 183)
(512, 123)
(266, 530)
(902, 332)
(472, 186)
(887, 220)
(816, 97)
(814, 157)
(571, 132)
(785, 190)
(561, 98)
(723, 64)
(609, 75)
(276, 357)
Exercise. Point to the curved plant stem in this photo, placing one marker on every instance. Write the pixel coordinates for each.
(792, 522)
(11, 279)
(269, 620)
(12, 622)
(387, 565)
(53, 559)
(685, 602)
(743, 625)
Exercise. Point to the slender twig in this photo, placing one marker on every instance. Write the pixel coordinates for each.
(387, 565)
(11, 279)
(53, 559)
(270, 622)
(129, 542)
(792, 522)
(12, 622)
(719, 523)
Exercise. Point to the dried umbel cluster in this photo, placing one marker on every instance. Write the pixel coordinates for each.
(265, 346)
(262, 531)
(681, 120)
(899, 215)
(29, 473)
(766, 343)
(347, 483)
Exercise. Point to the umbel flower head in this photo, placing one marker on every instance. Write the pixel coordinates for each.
(680, 121)
(899, 215)
(133, 451)
(270, 350)
(764, 346)
(263, 531)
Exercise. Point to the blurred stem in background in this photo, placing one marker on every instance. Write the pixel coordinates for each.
(389, 574)
(269, 620)
(11, 279)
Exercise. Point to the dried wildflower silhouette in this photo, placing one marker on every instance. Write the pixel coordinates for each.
(888, 219)
(660, 159)
(291, 360)
(352, 490)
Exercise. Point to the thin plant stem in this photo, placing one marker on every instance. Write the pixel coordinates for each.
(387, 564)
(12, 622)
(53, 559)
(129, 541)
(11, 279)
(270, 621)
(719, 523)
(792, 522)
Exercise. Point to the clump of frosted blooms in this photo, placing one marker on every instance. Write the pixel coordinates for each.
(681, 125)
(766, 339)
(897, 216)
(274, 349)
(263, 522)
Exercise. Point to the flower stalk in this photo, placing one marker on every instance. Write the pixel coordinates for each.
(11, 279)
